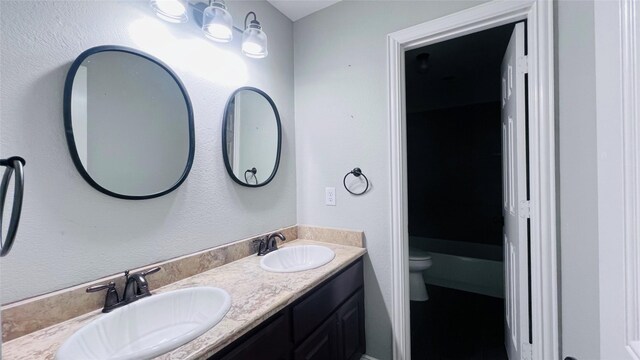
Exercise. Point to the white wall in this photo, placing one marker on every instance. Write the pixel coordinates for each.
(342, 122)
(616, 187)
(71, 233)
(576, 99)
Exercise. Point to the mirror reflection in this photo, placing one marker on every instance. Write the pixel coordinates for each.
(251, 137)
(129, 123)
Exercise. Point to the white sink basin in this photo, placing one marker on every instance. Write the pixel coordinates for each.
(149, 327)
(297, 258)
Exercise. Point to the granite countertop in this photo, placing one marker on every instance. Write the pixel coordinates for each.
(255, 295)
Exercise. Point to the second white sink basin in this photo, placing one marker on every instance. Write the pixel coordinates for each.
(297, 258)
(149, 327)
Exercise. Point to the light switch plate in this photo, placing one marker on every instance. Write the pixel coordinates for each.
(330, 196)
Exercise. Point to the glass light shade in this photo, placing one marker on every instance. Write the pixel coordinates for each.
(254, 43)
(174, 11)
(217, 23)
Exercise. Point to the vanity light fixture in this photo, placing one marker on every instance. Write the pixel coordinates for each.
(217, 23)
(174, 11)
(254, 40)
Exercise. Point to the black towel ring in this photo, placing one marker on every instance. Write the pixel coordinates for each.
(12, 164)
(252, 171)
(357, 173)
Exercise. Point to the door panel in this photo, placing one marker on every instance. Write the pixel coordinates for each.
(310, 312)
(322, 344)
(515, 191)
(351, 327)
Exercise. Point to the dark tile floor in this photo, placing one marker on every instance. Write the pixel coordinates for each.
(456, 324)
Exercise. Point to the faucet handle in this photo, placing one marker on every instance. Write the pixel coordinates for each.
(150, 271)
(111, 301)
(262, 245)
(95, 288)
(143, 273)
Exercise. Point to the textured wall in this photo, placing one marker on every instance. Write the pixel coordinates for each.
(71, 233)
(342, 122)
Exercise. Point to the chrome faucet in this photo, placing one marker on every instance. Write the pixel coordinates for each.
(136, 287)
(269, 243)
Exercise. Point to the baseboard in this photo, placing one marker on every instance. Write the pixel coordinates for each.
(367, 357)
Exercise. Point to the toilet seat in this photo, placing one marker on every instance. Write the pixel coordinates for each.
(417, 254)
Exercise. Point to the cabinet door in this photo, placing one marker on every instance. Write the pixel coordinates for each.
(311, 311)
(322, 344)
(351, 327)
(272, 342)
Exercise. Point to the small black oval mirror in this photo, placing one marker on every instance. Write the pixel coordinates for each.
(251, 137)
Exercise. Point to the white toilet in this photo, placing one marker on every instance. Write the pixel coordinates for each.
(419, 261)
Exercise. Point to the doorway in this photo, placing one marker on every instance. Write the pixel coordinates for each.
(539, 133)
(459, 184)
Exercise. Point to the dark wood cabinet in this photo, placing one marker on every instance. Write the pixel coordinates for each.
(322, 344)
(327, 323)
(271, 341)
(316, 306)
(351, 327)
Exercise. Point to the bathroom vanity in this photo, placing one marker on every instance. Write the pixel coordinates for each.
(326, 323)
(312, 314)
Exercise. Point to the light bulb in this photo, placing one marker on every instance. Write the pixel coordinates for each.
(218, 32)
(174, 11)
(217, 23)
(250, 48)
(254, 41)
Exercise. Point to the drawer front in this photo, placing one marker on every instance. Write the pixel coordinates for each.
(311, 312)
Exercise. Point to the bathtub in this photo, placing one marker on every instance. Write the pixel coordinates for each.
(463, 266)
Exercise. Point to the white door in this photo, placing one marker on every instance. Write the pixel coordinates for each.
(515, 204)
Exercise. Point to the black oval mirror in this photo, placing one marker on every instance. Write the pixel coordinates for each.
(251, 137)
(128, 122)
